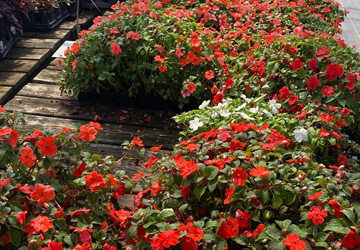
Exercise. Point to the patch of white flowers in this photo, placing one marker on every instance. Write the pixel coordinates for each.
(196, 124)
(301, 135)
(274, 106)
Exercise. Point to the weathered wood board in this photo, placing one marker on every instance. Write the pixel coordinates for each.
(25, 66)
(47, 76)
(55, 33)
(52, 44)
(12, 79)
(29, 53)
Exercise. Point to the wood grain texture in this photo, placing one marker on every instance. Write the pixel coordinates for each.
(29, 53)
(12, 79)
(25, 66)
(47, 76)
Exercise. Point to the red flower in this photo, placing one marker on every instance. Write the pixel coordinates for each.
(27, 157)
(191, 87)
(351, 240)
(327, 91)
(188, 168)
(5, 238)
(47, 146)
(162, 69)
(258, 230)
(42, 194)
(313, 82)
(97, 20)
(52, 245)
(225, 231)
(342, 160)
(284, 93)
(259, 171)
(316, 195)
(243, 218)
(138, 176)
(293, 99)
(334, 70)
(313, 65)
(155, 148)
(150, 162)
(115, 48)
(13, 138)
(165, 239)
(1, 109)
(326, 117)
(39, 224)
(80, 211)
(185, 191)
(85, 246)
(74, 63)
(229, 193)
(138, 142)
(296, 64)
(156, 187)
(87, 133)
(345, 111)
(21, 217)
(239, 176)
(317, 216)
(241, 127)
(95, 181)
(209, 74)
(336, 206)
(323, 133)
(78, 171)
(293, 242)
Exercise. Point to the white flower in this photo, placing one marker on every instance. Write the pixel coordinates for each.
(204, 104)
(267, 113)
(245, 116)
(254, 110)
(301, 135)
(274, 106)
(195, 124)
(225, 113)
(240, 107)
(214, 115)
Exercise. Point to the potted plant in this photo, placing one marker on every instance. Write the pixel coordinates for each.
(10, 28)
(45, 15)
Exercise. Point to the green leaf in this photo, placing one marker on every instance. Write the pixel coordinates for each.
(131, 232)
(92, 198)
(338, 226)
(15, 236)
(350, 214)
(241, 239)
(61, 223)
(23, 248)
(212, 185)
(211, 172)
(273, 233)
(276, 202)
(322, 244)
(283, 224)
(276, 245)
(168, 212)
(199, 191)
(183, 207)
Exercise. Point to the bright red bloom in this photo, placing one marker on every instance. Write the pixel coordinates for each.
(21, 217)
(87, 133)
(241, 127)
(334, 70)
(156, 187)
(313, 82)
(323, 133)
(185, 191)
(165, 239)
(284, 93)
(59, 213)
(243, 218)
(316, 195)
(191, 87)
(296, 64)
(239, 176)
(5, 239)
(342, 160)
(326, 117)
(85, 246)
(42, 194)
(259, 171)
(39, 224)
(188, 168)
(316, 215)
(95, 181)
(97, 20)
(293, 99)
(52, 245)
(293, 242)
(351, 240)
(80, 211)
(225, 230)
(47, 146)
(155, 148)
(229, 193)
(313, 65)
(27, 157)
(209, 74)
(138, 142)
(138, 176)
(1, 109)
(115, 48)
(4, 182)
(258, 230)
(78, 171)
(336, 206)
(162, 69)
(327, 91)
(150, 162)
(345, 111)
(235, 145)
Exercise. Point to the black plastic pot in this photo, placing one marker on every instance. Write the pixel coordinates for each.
(7, 42)
(72, 9)
(46, 20)
(102, 4)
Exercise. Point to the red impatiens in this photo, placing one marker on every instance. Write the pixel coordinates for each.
(293, 242)
(165, 239)
(296, 64)
(239, 176)
(334, 70)
(259, 171)
(316, 215)
(115, 48)
(95, 181)
(27, 157)
(47, 146)
(313, 82)
(42, 194)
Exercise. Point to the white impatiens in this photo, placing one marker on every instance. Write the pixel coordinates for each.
(204, 104)
(274, 106)
(195, 124)
(301, 135)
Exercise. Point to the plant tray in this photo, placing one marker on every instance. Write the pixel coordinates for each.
(102, 4)
(6, 45)
(46, 20)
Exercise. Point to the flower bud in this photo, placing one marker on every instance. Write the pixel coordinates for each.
(321, 166)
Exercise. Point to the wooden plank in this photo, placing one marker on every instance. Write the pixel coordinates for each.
(29, 53)
(67, 25)
(55, 33)
(14, 79)
(47, 76)
(87, 111)
(35, 43)
(5, 93)
(26, 66)
(114, 134)
(54, 65)
(42, 91)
